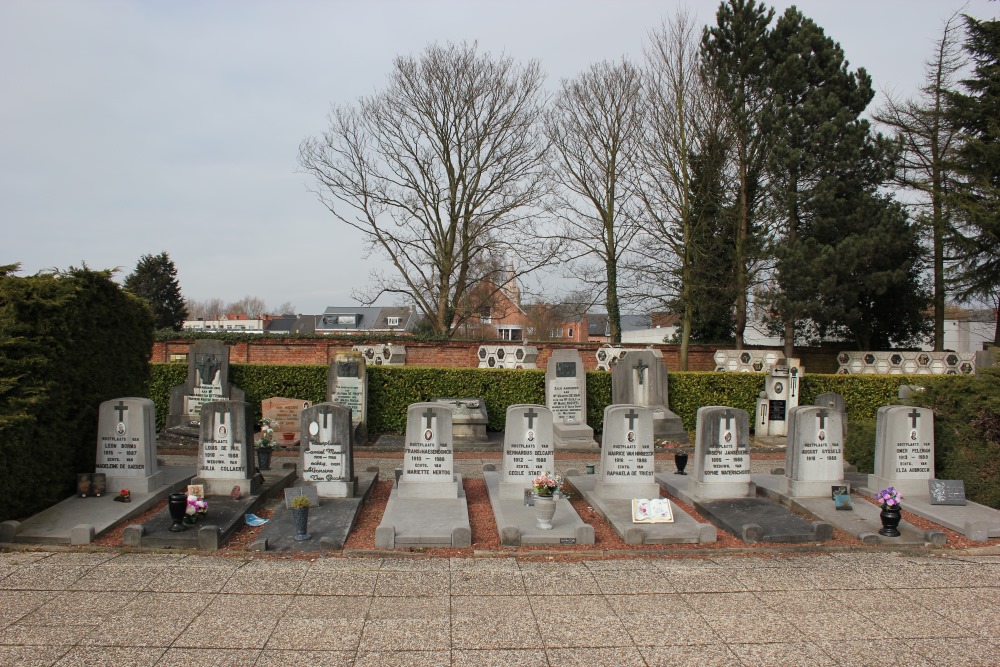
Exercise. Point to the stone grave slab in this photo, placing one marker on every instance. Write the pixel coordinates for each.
(861, 522)
(904, 449)
(347, 385)
(566, 397)
(330, 522)
(225, 516)
(288, 413)
(427, 505)
(207, 380)
(77, 520)
(640, 378)
(814, 459)
(225, 451)
(618, 512)
(762, 520)
(126, 445)
(326, 457)
(468, 418)
(517, 525)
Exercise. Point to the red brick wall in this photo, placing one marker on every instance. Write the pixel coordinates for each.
(457, 354)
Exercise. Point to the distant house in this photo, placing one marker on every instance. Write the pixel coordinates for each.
(599, 328)
(228, 322)
(373, 319)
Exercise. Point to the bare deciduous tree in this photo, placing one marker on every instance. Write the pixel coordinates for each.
(927, 141)
(443, 173)
(209, 309)
(251, 306)
(595, 127)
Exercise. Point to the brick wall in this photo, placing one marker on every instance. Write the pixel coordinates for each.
(457, 354)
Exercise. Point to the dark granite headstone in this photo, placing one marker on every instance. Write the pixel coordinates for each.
(947, 491)
(207, 380)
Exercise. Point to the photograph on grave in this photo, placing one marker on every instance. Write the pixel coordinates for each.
(207, 380)
(126, 445)
(640, 378)
(904, 449)
(527, 448)
(722, 453)
(566, 397)
(814, 458)
(347, 385)
(326, 458)
(225, 456)
(627, 465)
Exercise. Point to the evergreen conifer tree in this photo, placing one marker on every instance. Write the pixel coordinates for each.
(155, 280)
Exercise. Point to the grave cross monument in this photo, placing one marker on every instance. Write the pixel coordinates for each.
(207, 380)
(640, 378)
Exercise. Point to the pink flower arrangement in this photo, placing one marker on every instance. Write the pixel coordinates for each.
(196, 507)
(889, 498)
(545, 484)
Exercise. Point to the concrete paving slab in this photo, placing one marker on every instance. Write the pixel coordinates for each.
(61, 523)
(330, 522)
(425, 522)
(224, 517)
(517, 525)
(618, 512)
(751, 519)
(862, 522)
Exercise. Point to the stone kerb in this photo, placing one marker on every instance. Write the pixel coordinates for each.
(721, 467)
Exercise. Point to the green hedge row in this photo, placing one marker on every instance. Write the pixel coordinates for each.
(391, 389)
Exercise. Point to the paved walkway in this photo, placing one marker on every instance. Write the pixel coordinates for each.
(856, 608)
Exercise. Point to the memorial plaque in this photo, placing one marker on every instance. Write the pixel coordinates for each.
(566, 369)
(527, 448)
(776, 410)
(627, 465)
(722, 453)
(288, 413)
(327, 450)
(947, 491)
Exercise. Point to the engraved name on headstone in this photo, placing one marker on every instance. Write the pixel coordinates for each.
(126, 445)
(527, 448)
(327, 455)
(722, 453)
(627, 465)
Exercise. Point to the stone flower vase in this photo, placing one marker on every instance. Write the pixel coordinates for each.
(300, 515)
(890, 517)
(177, 505)
(263, 459)
(545, 509)
(681, 461)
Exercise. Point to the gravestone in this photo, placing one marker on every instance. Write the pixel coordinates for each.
(288, 413)
(904, 449)
(126, 445)
(428, 455)
(527, 448)
(722, 454)
(831, 400)
(566, 397)
(207, 381)
(468, 418)
(627, 466)
(347, 385)
(225, 452)
(781, 394)
(814, 459)
(641, 379)
(327, 450)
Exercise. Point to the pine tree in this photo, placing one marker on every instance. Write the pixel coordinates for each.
(155, 280)
(977, 167)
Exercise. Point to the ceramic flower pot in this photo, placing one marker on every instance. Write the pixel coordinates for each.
(681, 461)
(545, 509)
(890, 517)
(264, 459)
(177, 505)
(300, 515)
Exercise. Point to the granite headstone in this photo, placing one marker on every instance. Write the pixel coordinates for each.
(327, 450)
(641, 379)
(207, 381)
(126, 445)
(527, 448)
(722, 454)
(225, 454)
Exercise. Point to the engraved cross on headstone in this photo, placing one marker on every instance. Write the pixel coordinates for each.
(530, 416)
(641, 368)
(822, 415)
(121, 408)
(728, 417)
(428, 414)
(914, 415)
(631, 416)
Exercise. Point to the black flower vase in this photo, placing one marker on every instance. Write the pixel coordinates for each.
(301, 517)
(177, 504)
(263, 459)
(681, 461)
(890, 521)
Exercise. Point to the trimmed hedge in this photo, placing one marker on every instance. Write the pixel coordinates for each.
(392, 388)
(68, 342)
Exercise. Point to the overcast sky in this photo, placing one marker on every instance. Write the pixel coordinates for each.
(130, 128)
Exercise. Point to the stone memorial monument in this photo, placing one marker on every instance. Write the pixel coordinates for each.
(627, 465)
(640, 378)
(327, 450)
(468, 418)
(225, 453)
(566, 397)
(722, 454)
(904, 450)
(781, 394)
(126, 445)
(288, 413)
(207, 381)
(527, 448)
(814, 459)
(347, 385)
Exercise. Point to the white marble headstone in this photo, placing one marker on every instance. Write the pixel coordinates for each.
(225, 452)
(904, 450)
(126, 445)
(527, 448)
(722, 454)
(428, 455)
(814, 459)
(627, 465)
